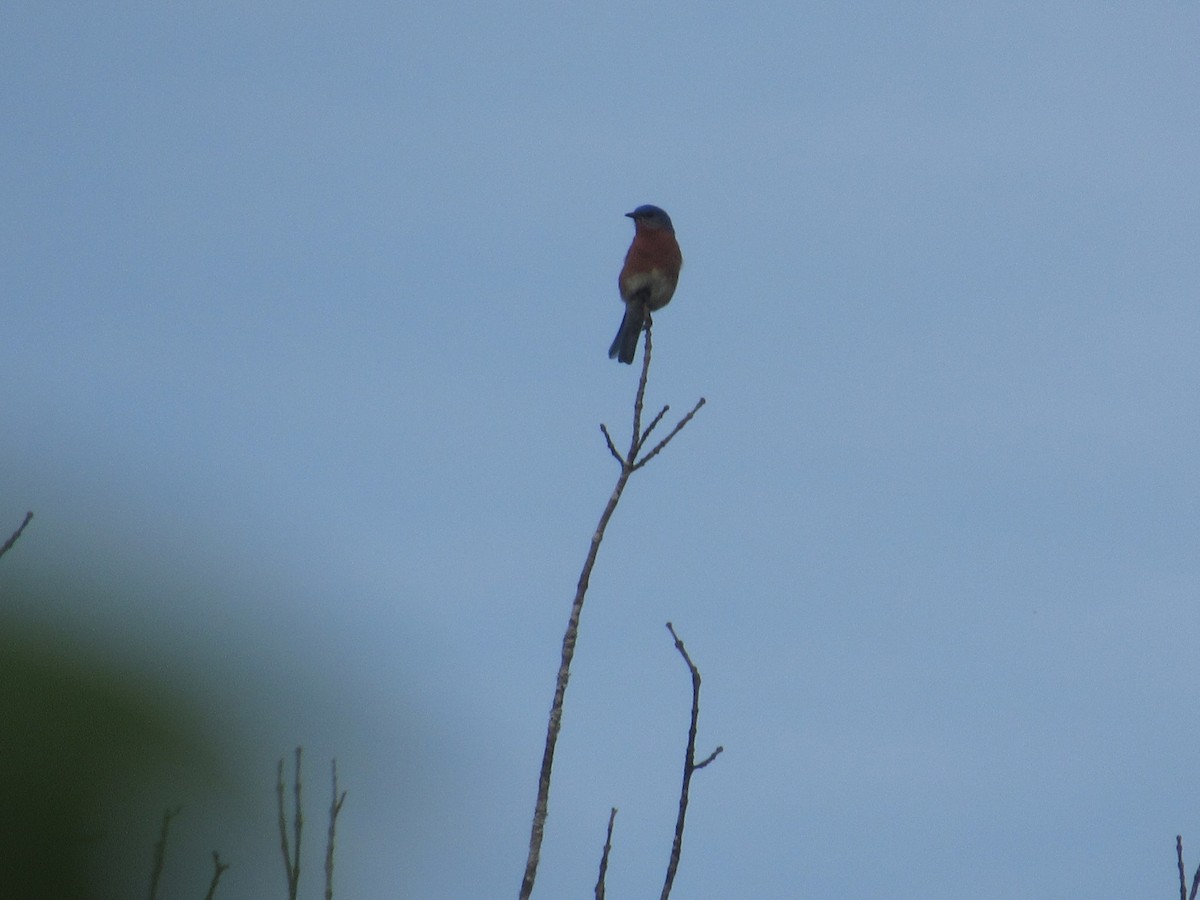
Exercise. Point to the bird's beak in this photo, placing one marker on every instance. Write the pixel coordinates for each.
(631, 215)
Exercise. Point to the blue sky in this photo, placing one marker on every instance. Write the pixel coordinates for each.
(305, 312)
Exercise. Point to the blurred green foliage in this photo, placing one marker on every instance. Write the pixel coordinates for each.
(78, 737)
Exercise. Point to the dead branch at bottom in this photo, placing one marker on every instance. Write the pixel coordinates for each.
(689, 765)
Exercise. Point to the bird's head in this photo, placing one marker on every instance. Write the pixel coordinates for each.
(651, 217)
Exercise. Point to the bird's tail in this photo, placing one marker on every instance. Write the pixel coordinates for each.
(624, 345)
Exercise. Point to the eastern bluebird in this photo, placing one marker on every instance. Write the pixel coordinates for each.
(648, 277)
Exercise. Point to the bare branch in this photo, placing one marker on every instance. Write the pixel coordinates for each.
(16, 534)
(218, 868)
(1182, 874)
(160, 846)
(689, 765)
(628, 464)
(335, 807)
(570, 636)
(612, 816)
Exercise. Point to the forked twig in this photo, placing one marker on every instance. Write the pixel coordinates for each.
(629, 464)
(689, 765)
(631, 460)
(674, 431)
(335, 807)
(291, 857)
(218, 868)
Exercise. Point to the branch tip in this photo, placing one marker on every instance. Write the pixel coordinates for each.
(16, 534)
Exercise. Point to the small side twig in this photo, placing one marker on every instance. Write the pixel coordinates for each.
(291, 856)
(612, 448)
(689, 765)
(16, 534)
(160, 848)
(335, 807)
(653, 424)
(218, 869)
(612, 816)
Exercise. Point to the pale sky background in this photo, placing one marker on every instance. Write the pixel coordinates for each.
(304, 311)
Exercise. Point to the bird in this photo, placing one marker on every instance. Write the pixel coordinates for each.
(648, 278)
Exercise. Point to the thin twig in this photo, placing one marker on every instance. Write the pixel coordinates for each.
(612, 816)
(282, 824)
(16, 534)
(291, 860)
(708, 759)
(335, 807)
(160, 846)
(628, 465)
(639, 398)
(297, 824)
(689, 765)
(218, 868)
(612, 448)
(649, 428)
